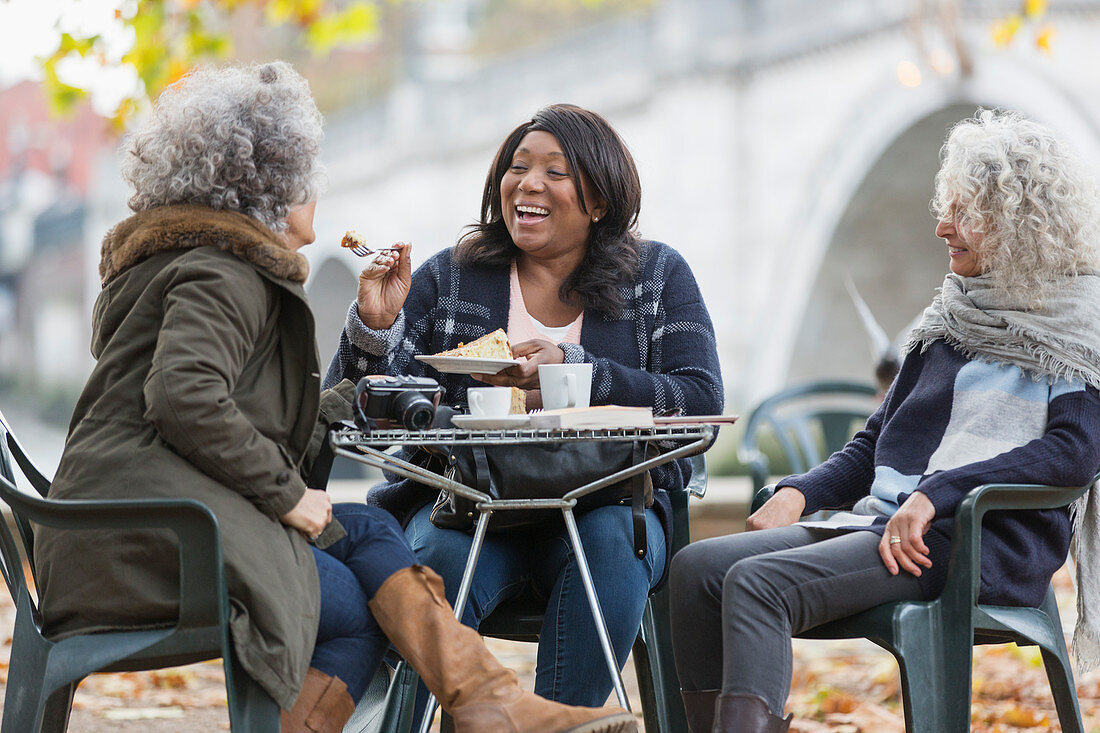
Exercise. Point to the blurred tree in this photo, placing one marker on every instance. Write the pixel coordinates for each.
(171, 36)
(937, 32)
(1004, 30)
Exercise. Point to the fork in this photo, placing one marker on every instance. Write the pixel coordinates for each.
(362, 251)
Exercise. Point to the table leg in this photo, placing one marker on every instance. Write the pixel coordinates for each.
(594, 604)
(460, 601)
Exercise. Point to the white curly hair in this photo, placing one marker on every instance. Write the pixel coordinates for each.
(239, 138)
(1031, 202)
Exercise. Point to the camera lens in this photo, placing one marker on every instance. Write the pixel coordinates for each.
(414, 410)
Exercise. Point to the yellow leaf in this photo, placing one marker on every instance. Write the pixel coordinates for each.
(1044, 37)
(1024, 717)
(356, 22)
(1005, 29)
(176, 71)
(278, 12)
(1035, 8)
(70, 44)
(308, 11)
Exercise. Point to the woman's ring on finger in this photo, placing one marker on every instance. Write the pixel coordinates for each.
(895, 540)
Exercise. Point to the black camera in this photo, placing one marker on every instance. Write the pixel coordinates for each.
(407, 401)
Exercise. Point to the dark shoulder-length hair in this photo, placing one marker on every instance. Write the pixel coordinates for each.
(594, 149)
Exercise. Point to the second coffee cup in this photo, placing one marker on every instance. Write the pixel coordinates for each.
(565, 385)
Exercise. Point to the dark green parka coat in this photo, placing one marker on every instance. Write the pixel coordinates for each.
(206, 386)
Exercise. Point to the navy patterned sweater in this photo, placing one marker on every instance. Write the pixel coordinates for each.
(950, 424)
(660, 352)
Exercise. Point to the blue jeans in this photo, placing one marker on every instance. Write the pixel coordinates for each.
(350, 645)
(570, 667)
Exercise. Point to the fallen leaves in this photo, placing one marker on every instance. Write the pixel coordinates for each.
(847, 686)
(144, 714)
(854, 686)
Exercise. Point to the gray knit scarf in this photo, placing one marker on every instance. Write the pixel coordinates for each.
(1061, 339)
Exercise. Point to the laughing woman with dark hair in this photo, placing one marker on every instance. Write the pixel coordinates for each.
(555, 261)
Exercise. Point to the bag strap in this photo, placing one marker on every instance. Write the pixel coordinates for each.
(481, 469)
(322, 464)
(637, 501)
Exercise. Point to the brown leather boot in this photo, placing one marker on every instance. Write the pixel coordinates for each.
(478, 692)
(699, 706)
(737, 712)
(323, 706)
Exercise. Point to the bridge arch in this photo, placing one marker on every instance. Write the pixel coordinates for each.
(896, 137)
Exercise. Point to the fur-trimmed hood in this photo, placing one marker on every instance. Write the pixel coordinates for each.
(170, 228)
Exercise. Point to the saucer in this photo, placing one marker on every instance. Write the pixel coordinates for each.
(477, 422)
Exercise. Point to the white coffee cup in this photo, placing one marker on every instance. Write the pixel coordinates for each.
(565, 385)
(489, 401)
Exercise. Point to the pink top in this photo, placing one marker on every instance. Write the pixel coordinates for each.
(522, 327)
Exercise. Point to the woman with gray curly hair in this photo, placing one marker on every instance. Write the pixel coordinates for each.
(235, 139)
(999, 385)
(207, 387)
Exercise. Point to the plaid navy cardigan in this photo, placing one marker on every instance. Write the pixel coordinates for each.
(660, 352)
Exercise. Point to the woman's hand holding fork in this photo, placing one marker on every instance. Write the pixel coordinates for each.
(383, 286)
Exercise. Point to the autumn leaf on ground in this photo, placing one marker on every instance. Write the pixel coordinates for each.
(870, 718)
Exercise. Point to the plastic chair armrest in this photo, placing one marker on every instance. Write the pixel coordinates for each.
(963, 570)
(761, 496)
(202, 576)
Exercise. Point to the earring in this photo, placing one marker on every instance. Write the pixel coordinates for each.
(595, 219)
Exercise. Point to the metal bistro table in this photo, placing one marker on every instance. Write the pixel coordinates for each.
(369, 448)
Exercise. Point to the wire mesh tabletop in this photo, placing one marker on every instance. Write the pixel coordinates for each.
(349, 437)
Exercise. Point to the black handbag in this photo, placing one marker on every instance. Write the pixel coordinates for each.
(541, 471)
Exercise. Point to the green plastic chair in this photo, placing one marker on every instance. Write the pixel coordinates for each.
(808, 421)
(43, 674)
(932, 640)
(521, 620)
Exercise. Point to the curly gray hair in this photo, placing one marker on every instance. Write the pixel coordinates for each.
(237, 138)
(1030, 201)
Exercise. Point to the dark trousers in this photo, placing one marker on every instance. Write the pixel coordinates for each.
(737, 601)
(350, 645)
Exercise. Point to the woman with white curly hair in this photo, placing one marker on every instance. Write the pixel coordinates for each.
(207, 387)
(998, 385)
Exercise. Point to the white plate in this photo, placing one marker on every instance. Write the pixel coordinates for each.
(476, 422)
(466, 364)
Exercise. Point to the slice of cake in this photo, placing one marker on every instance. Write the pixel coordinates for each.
(519, 402)
(353, 238)
(490, 346)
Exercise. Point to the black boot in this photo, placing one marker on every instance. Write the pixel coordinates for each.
(699, 706)
(737, 712)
